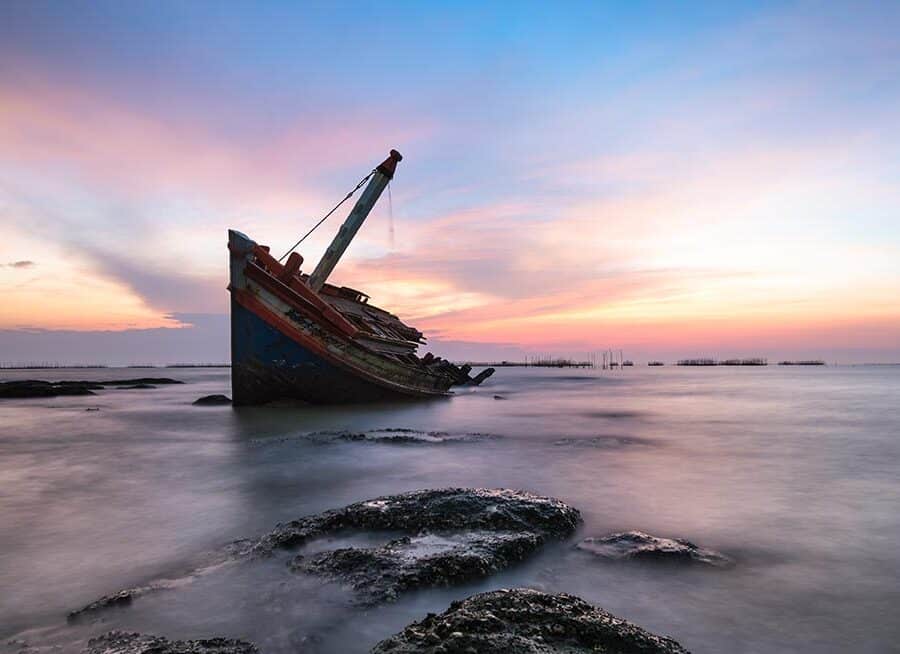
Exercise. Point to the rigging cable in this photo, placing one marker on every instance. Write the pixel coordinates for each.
(390, 216)
(336, 207)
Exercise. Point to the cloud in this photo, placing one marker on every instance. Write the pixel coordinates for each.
(125, 151)
(165, 288)
(739, 177)
(205, 339)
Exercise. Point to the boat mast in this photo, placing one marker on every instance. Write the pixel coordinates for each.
(380, 178)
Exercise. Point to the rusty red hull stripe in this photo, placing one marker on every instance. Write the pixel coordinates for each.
(330, 318)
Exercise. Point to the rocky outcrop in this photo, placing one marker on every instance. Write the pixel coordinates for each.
(140, 380)
(212, 400)
(448, 536)
(120, 642)
(122, 598)
(36, 388)
(398, 436)
(439, 537)
(205, 564)
(439, 510)
(524, 621)
(636, 545)
(426, 561)
(29, 388)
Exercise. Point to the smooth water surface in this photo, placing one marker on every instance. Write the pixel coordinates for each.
(793, 472)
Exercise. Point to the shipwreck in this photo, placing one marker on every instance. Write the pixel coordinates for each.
(296, 337)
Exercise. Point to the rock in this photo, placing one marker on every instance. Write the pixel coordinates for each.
(450, 535)
(136, 387)
(445, 509)
(430, 560)
(603, 442)
(612, 414)
(400, 436)
(122, 598)
(212, 400)
(120, 642)
(640, 546)
(208, 563)
(525, 621)
(499, 397)
(140, 380)
(439, 537)
(35, 388)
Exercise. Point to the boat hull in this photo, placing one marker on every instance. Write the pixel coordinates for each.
(286, 348)
(267, 365)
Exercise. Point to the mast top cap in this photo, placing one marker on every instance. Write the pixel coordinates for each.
(389, 165)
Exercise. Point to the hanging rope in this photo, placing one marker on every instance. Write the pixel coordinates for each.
(336, 207)
(391, 217)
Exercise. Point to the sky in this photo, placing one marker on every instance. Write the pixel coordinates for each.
(671, 179)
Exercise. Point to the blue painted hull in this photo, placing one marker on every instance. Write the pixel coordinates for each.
(267, 365)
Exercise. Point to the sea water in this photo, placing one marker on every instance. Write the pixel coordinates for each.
(792, 472)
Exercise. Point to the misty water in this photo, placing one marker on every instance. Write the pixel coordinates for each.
(792, 472)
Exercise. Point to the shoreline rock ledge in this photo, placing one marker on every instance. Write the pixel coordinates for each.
(439, 537)
(525, 621)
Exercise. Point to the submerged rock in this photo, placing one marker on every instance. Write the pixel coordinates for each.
(430, 560)
(36, 388)
(439, 537)
(212, 400)
(445, 509)
(140, 380)
(207, 563)
(28, 388)
(390, 436)
(120, 642)
(451, 535)
(122, 598)
(524, 621)
(603, 442)
(612, 414)
(644, 547)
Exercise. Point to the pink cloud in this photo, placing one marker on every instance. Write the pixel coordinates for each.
(656, 244)
(123, 150)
